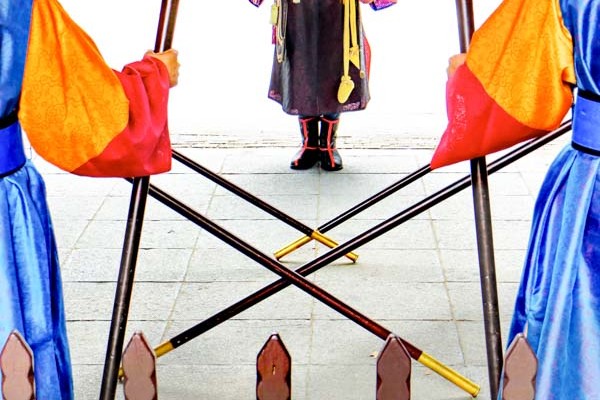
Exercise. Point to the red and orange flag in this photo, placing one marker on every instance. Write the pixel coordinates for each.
(516, 83)
(82, 116)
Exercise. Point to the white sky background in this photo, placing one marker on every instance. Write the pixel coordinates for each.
(225, 53)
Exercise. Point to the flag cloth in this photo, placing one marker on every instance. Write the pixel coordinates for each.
(516, 83)
(82, 116)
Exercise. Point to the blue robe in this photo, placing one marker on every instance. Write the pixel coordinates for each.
(558, 302)
(31, 298)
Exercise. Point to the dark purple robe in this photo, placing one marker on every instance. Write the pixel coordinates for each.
(306, 82)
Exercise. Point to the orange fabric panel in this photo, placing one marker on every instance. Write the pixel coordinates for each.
(72, 104)
(523, 55)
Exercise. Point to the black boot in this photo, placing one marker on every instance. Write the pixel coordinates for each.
(329, 156)
(308, 155)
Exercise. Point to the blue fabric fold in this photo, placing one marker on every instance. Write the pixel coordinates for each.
(31, 300)
(15, 17)
(558, 301)
(30, 281)
(582, 18)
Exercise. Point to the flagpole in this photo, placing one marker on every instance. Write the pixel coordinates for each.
(131, 244)
(483, 227)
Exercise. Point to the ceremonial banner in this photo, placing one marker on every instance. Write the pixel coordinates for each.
(76, 110)
(516, 83)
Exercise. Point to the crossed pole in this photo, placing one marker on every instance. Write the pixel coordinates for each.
(332, 255)
(310, 233)
(351, 212)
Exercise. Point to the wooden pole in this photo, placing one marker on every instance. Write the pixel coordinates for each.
(133, 232)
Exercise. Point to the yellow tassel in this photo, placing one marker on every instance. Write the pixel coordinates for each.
(274, 14)
(346, 87)
(355, 49)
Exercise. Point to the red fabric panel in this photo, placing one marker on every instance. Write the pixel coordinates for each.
(477, 124)
(367, 57)
(144, 147)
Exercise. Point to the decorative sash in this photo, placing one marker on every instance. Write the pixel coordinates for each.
(12, 155)
(586, 123)
(279, 11)
(351, 50)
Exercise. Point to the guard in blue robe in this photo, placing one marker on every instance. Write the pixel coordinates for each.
(31, 299)
(558, 303)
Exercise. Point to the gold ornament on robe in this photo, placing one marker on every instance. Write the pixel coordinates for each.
(351, 50)
(279, 21)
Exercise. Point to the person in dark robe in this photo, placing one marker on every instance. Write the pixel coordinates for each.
(320, 70)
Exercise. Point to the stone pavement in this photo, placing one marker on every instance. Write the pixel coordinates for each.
(419, 280)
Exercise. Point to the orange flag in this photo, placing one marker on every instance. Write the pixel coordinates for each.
(515, 84)
(81, 115)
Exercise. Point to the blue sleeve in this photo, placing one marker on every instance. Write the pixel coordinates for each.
(15, 17)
